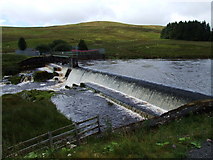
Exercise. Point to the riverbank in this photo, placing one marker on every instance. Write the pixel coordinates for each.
(79, 103)
(173, 135)
(23, 106)
(28, 114)
(168, 141)
(10, 64)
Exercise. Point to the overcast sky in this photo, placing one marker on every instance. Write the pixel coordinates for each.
(143, 12)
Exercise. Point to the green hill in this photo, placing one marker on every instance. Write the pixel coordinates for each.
(120, 40)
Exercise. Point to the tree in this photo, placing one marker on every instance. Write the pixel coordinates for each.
(43, 48)
(211, 35)
(191, 30)
(57, 44)
(22, 44)
(82, 45)
(62, 47)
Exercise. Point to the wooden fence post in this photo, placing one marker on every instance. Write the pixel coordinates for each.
(69, 140)
(99, 127)
(50, 139)
(77, 135)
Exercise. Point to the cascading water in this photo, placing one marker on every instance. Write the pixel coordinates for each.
(165, 97)
(27, 81)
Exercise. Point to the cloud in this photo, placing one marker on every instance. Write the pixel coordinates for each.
(52, 12)
(191, 11)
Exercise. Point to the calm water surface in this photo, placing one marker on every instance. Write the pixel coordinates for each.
(193, 75)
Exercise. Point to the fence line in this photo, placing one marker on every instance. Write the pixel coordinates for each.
(75, 134)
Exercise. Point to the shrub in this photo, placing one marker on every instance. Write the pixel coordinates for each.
(15, 79)
(62, 47)
(43, 48)
(41, 76)
(56, 42)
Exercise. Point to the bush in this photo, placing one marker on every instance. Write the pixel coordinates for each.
(43, 48)
(15, 79)
(41, 76)
(62, 47)
(56, 45)
(56, 42)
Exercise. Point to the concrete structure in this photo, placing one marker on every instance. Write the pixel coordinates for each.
(28, 52)
(91, 51)
(165, 97)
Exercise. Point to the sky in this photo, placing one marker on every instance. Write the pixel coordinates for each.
(31, 13)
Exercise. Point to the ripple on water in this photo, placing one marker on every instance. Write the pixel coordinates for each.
(83, 105)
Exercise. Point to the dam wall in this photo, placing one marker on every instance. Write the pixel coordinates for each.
(165, 97)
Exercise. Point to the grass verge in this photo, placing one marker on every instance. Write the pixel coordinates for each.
(173, 140)
(28, 114)
(10, 64)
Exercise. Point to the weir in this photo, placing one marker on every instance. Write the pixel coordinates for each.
(165, 97)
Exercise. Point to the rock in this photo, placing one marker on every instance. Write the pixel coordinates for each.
(204, 152)
(67, 87)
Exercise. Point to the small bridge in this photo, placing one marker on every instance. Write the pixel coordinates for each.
(76, 55)
(62, 57)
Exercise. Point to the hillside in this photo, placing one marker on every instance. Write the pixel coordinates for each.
(120, 40)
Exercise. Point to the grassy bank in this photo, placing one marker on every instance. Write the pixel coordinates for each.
(10, 64)
(31, 113)
(173, 140)
(120, 40)
(28, 114)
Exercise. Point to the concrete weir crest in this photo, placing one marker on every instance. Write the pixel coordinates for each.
(165, 97)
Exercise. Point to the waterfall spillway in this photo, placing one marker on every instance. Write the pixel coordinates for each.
(165, 97)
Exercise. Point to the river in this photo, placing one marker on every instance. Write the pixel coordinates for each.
(194, 75)
(79, 104)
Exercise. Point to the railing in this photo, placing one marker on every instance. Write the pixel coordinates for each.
(78, 53)
(64, 54)
(70, 134)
